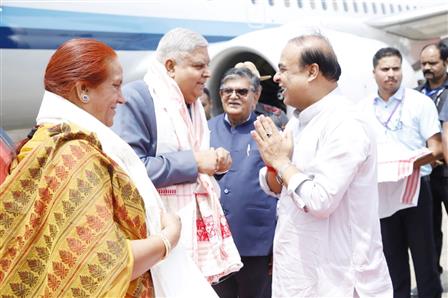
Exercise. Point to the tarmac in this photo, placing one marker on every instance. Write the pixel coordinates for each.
(443, 260)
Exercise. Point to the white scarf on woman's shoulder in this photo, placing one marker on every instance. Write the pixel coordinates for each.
(56, 109)
(177, 276)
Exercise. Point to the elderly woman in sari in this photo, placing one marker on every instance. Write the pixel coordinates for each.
(72, 210)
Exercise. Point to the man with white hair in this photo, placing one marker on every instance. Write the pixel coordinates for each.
(164, 122)
(251, 213)
(277, 115)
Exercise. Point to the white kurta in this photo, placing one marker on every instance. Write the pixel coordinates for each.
(334, 248)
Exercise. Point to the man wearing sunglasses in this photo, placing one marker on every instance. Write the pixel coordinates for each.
(276, 114)
(405, 121)
(249, 211)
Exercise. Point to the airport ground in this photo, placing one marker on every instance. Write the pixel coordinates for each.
(443, 261)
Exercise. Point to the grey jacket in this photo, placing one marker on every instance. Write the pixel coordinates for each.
(135, 122)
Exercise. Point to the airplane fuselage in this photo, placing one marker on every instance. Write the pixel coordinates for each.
(236, 30)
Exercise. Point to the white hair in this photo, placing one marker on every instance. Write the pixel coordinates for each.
(178, 41)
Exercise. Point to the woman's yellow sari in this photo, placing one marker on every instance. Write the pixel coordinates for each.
(67, 215)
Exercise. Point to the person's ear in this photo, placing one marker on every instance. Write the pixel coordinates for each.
(313, 71)
(258, 94)
(82, 92)
(169, 66)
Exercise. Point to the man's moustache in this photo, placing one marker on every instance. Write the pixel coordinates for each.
(427, 71)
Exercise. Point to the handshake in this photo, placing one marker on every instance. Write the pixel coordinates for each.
(213, 161)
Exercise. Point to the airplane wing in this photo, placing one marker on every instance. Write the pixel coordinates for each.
(421, 24)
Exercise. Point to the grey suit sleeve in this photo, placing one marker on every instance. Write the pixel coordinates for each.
(135, 122)
(443, 115)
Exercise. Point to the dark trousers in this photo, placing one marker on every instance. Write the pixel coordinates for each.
(412, 228)
(439, 188)
(252, 281)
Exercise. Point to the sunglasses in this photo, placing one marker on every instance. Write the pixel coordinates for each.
(238, 91)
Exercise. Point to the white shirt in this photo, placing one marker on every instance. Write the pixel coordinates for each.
(416, 113)
(335, 248)
(401, 126)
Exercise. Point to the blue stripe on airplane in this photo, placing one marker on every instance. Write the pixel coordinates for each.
(28, 28)
(51, 39)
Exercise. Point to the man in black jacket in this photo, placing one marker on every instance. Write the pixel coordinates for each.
(434, 61)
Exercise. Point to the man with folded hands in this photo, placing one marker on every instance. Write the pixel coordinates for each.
(327, 241)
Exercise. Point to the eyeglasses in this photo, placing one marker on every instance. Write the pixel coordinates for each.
(238, 91)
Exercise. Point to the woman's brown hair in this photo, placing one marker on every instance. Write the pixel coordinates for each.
(80, 59)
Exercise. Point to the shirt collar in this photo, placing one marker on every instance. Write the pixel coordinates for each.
(310, 112)
(398, 95)
(428, 91)
(444, 85)
(226, 119)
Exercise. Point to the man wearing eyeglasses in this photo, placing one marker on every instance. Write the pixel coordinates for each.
(249, 211)
(405, 121)
(276, 114)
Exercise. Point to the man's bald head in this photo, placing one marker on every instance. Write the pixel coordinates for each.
(315, 48)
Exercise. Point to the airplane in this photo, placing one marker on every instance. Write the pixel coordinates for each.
(237, 30)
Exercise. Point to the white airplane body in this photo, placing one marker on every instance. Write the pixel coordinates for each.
(237, 31)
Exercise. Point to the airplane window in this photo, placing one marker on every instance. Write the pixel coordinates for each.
(383, 8)
(299, 3)
(392, 8)
(355, 6)
(408, 7)
(287, 3)
(399, 7)
(335, 5)
(364, 6)
(312, 4)
(254, 2)
(271, 2)
(324, 4)
(374, 7)
(344, 3)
